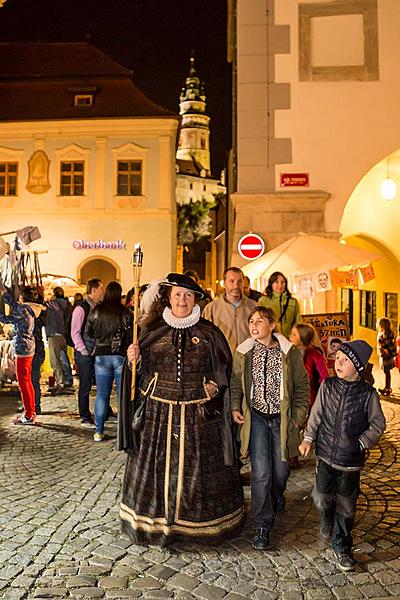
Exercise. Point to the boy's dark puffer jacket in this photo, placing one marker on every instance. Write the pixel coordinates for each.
(345, 420)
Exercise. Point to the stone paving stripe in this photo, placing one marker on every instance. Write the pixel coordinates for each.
(113, 582)
(185, 582)
(93, 570)
(157, 594)
(50, 592)
(120, 594)
(161, 572)
(90, 592)
(144, 583)
(209, 592)
(81, 581)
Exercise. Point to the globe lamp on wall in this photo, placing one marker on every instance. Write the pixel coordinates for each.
(388, 187)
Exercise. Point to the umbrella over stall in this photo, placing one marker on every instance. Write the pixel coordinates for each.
(305, 253)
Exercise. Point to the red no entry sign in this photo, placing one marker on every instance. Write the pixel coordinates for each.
(251, 246)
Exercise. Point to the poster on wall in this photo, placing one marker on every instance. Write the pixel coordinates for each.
(332, 329)
(367, 273)
(344, 278)
(304, 286)
(323, 281)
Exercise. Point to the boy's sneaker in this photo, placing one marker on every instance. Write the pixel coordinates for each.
(23, 420)
(261, 539)
(98, 437)
(345, 560)
(88, 424)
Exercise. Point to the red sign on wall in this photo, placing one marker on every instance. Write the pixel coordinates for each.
(295, 179)
(251, 246)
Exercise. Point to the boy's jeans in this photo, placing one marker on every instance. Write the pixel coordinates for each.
(335, 494)
(107, 368)
(269, 473)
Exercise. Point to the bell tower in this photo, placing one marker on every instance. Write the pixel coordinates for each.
(194, 134)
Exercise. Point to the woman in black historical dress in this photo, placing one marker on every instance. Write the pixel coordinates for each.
(181, 479)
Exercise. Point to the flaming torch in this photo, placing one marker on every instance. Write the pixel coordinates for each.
(137, 261)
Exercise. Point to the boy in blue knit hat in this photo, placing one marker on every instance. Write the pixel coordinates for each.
(345, 420)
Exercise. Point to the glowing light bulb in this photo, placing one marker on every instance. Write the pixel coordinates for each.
(388, 189)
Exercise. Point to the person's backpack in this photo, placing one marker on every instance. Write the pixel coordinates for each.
(68, 320)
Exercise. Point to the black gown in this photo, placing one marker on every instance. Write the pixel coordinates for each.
(182, 479)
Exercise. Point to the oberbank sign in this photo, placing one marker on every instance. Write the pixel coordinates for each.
(99, 245)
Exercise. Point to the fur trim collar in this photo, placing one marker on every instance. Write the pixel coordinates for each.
(283, 342)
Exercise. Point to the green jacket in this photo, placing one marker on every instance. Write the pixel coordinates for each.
(294, 394)
(278, 303)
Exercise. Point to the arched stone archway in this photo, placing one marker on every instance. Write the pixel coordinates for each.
(98, 266)
(370, 222)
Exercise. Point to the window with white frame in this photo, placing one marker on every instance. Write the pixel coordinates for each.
(8, 178)
(72, 178)
(129, 177)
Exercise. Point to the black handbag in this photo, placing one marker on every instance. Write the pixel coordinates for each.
(139, 413)
(140, 405)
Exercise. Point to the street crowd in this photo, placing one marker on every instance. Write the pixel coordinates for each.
(218, 383)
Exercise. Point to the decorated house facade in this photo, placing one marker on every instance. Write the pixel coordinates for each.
(87, 158)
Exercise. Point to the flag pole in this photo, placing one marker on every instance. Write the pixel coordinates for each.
(137, 261)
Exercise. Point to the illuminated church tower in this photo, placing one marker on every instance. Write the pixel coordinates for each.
(194, 135)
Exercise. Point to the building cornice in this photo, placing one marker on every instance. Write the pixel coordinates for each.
(91, 127)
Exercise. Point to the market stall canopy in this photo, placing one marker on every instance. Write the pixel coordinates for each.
(68, 284)
(304, 253)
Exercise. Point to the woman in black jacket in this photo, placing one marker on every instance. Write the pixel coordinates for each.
(110, 324)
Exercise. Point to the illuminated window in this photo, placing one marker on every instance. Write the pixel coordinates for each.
(72, 178)
(83, 100)
(368, 309)
(8, 178)
(129, 178)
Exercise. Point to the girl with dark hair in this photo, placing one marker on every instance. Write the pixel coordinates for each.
(182, 478)
(386, 350)
(278, 297)
(110, 324)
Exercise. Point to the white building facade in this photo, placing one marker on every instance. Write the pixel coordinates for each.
(317, 95)
(87, 158)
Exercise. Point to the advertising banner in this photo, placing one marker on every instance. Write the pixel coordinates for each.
(332, 329)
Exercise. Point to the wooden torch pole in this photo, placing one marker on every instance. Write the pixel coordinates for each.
(137, 261)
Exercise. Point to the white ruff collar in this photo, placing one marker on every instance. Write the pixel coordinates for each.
(178, 323)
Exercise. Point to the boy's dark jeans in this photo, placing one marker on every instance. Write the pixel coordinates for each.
(85, 368)
(335, 495)
(269, 473)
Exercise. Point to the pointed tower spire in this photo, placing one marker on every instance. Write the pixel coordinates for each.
(194, 134)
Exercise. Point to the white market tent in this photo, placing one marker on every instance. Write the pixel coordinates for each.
(303, 254)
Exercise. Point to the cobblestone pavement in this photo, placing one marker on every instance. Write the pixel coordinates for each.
(59, 529)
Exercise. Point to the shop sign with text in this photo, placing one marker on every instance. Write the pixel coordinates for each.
(295, 179)
(99, 245)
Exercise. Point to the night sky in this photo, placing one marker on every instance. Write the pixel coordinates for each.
(153, 38)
